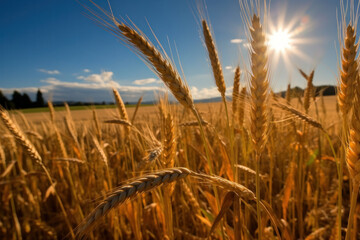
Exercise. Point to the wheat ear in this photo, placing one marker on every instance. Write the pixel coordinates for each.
(353, 159)
(349, 73)
(120, 105)
(97, 124)
(259, 85)
(128, 191)
(309, 91)
(159, 64)
(300, 115)
(101, 151)
(193, 123)
(136, 109)
(169, 143)
(167, 161)
(241, 110)
(20, 137)
(52, 111)
(119, 121)
(236, 89)
(214, 59)
(346, 92)
(42, 226)
(69, 124)
(57, 133)
(288, 94)
(353, 153)
(190, 196)
(220, 83)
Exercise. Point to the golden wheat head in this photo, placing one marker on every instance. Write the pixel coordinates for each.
(128, 191)
(214, 59)
(20, 137)
(259, 84)
(349, 71)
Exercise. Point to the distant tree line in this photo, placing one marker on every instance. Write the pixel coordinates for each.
(19, 101)
(326, 90)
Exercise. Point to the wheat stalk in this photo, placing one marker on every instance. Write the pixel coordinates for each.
(33, 154)
(219, 80)
(167, 161)
(259, 94)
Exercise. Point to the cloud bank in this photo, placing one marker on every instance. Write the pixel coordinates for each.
(97, 87)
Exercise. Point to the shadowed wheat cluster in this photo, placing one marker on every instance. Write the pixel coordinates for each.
(258, 166)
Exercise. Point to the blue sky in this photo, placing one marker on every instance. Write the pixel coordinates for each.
(51, 45)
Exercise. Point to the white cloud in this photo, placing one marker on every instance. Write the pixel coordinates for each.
(146, 81)
(228, 67)
(103, 77)
(97, 88)
(83, 85)
(204, 93)
(51, 72)
(87, 70)
(94, 88)
(236, 40)
(211, 92)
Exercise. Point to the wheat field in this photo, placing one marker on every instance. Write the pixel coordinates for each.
(254, 166)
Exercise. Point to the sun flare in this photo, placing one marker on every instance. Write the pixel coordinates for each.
(280, 41)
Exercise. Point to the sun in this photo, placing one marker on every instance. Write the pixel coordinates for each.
(280, 41)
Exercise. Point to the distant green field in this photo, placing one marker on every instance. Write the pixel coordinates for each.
(74, 108)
